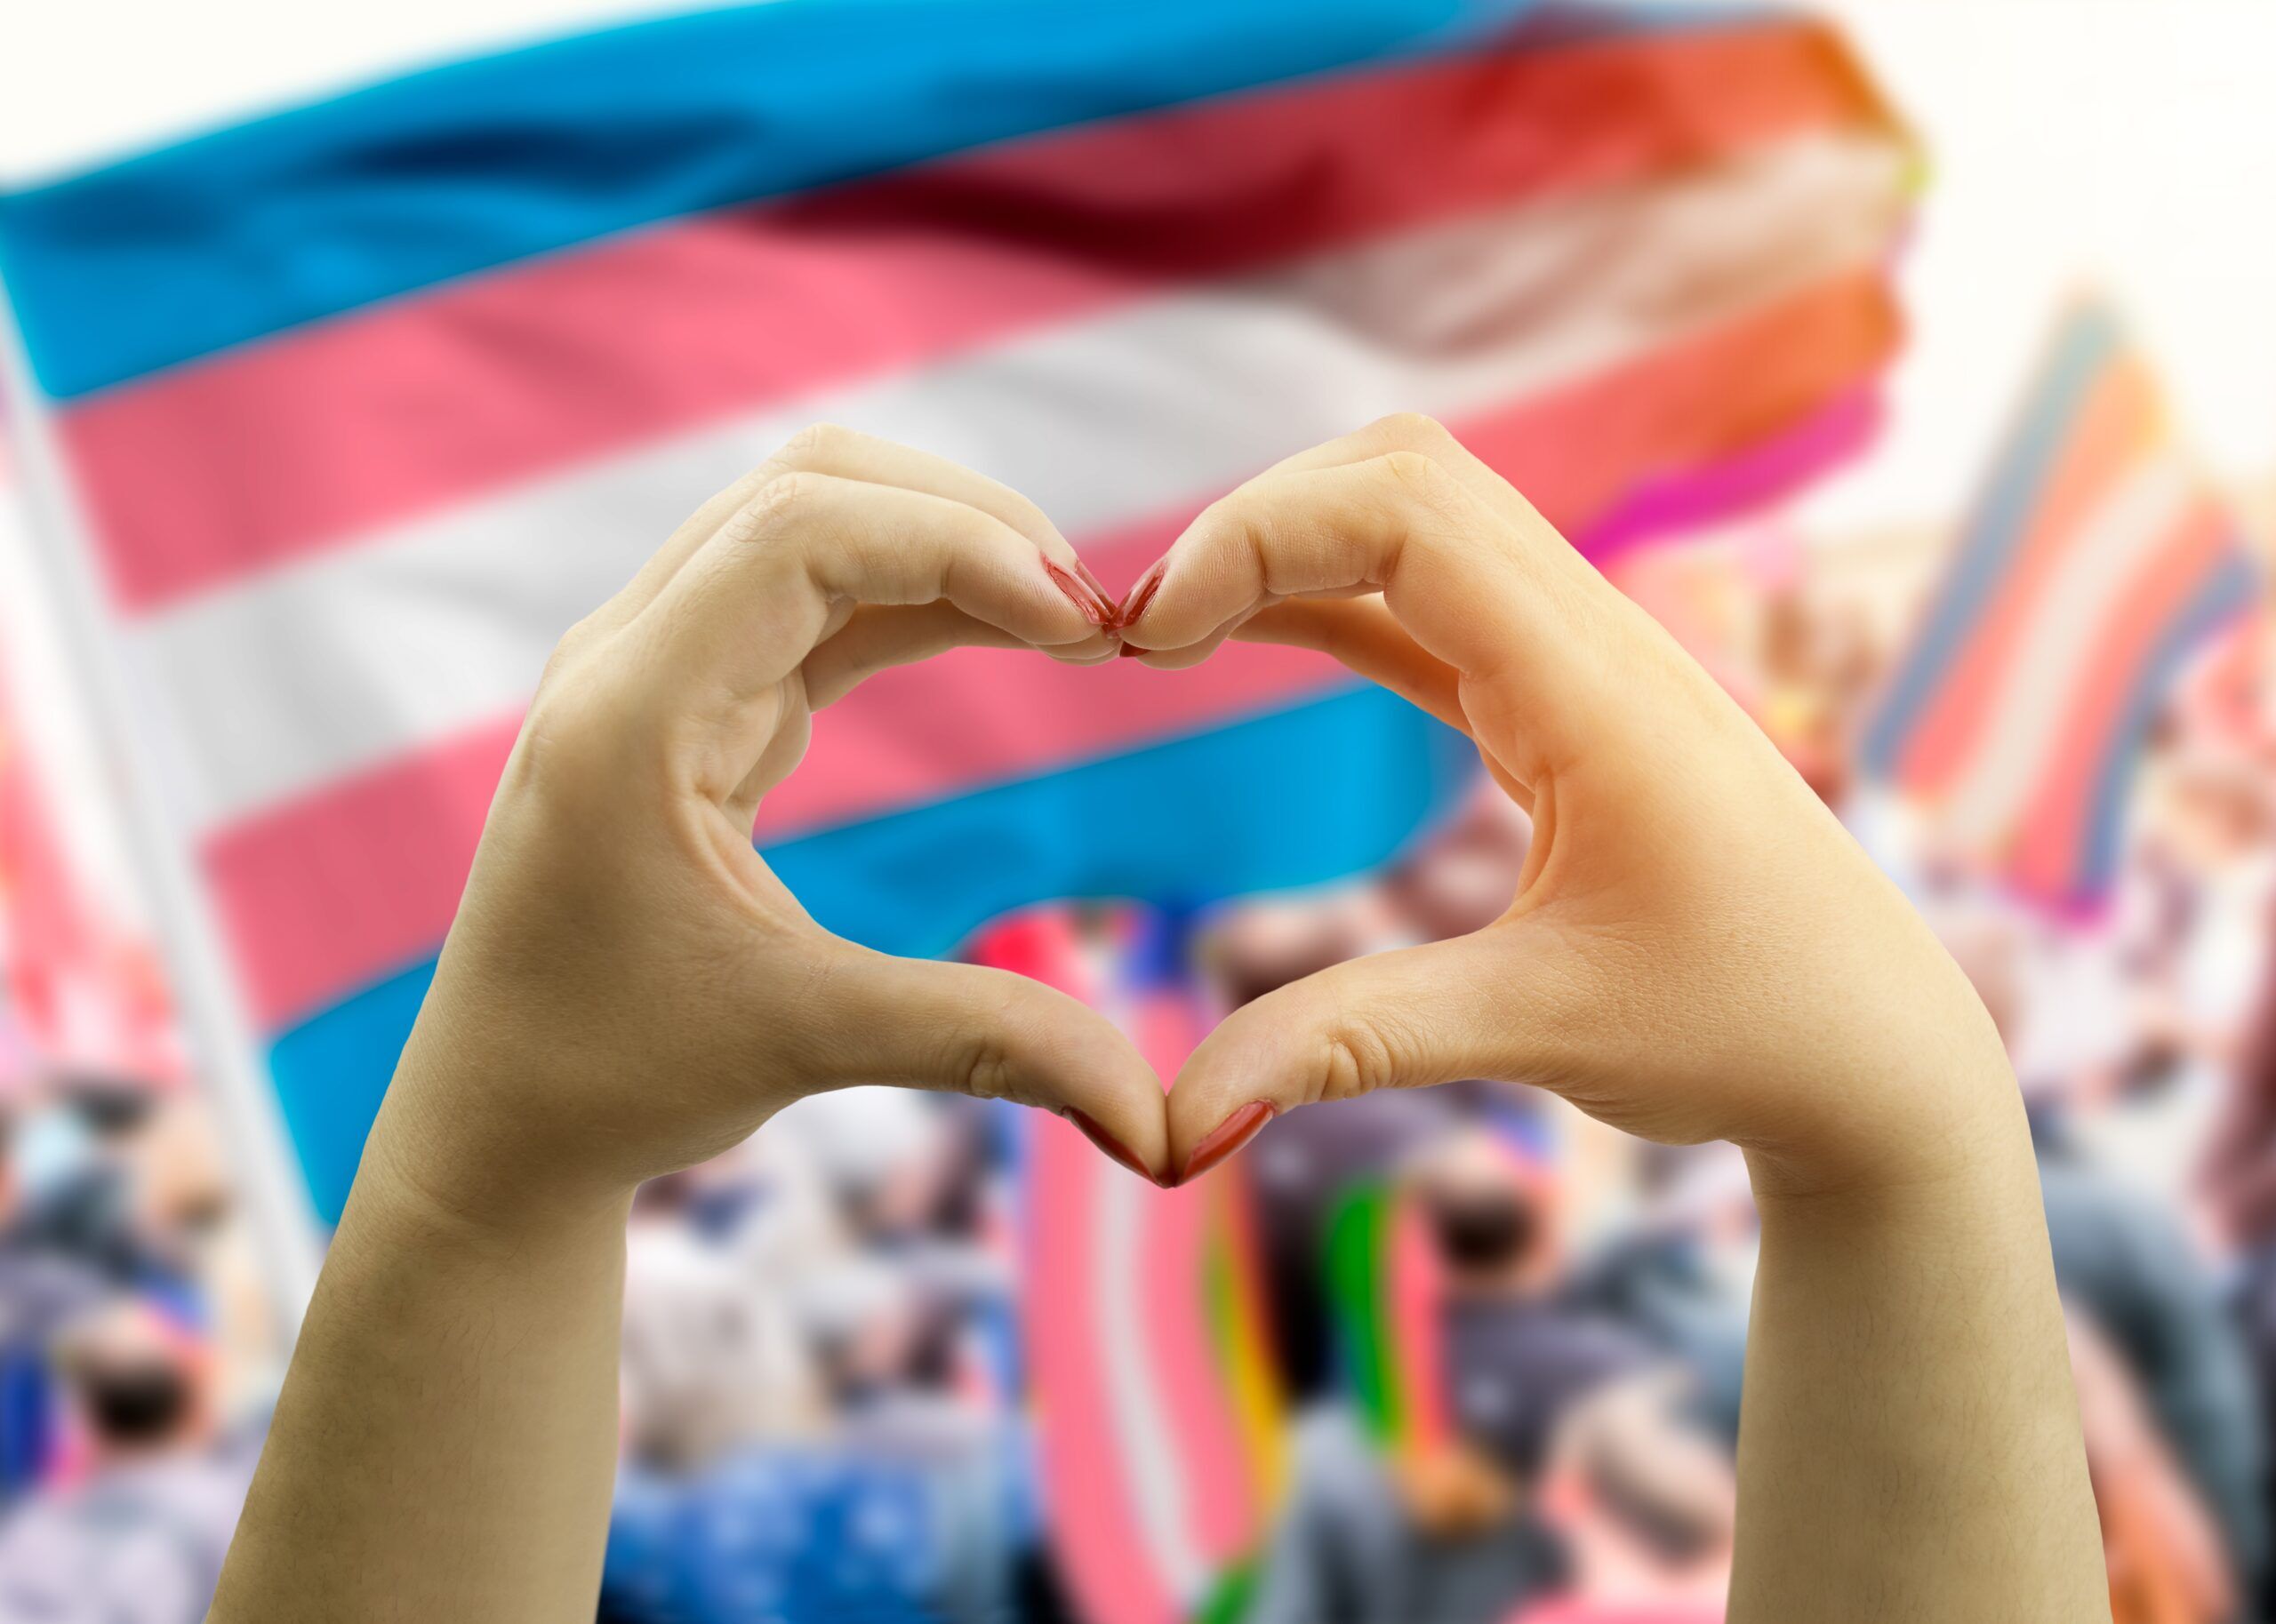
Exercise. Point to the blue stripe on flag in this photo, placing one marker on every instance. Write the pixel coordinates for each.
(1302, 796)
(2228, 591)
(250, 231)
(1995, 531)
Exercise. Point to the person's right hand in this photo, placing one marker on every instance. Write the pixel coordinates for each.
(1697, 949)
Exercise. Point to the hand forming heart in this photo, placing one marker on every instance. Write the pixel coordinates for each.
(641, 991)
(1695, 949)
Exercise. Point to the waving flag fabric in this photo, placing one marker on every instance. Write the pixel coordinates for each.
(1162, 1429)
(2097, 560)
(1383, 1281)
(366, 402)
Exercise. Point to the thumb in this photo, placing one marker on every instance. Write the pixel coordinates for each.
(968, 1030)
(1490, 1004)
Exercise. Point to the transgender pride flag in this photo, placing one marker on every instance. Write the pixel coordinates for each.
(360, 405)
(2097, 561)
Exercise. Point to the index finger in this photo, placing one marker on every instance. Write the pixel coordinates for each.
(788, 567)
(1497, 603)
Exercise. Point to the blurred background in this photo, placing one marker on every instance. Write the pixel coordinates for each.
(1913, 362)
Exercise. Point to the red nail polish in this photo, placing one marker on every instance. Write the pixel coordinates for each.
(1096, 586)
(1229, 1136)
(1092, 604)
(1142, 594)
(1113, 1146)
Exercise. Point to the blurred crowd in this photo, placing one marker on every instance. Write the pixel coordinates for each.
(824, 1414)
(136, 1350)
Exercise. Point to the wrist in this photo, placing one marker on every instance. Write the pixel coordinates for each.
(443, 1160)
(397, 1220)
(1897, 1133)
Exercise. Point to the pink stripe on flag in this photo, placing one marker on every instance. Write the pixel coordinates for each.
(287, 447)
(1416, 1302)
(2050, 840)
(312, 917)
(1093, 1511)
(1221, 1490)
(312, 910)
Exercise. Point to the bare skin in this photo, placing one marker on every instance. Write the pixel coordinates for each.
(1695, 950)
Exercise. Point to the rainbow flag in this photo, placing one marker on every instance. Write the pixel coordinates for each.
(364, 403)
(2097, 561)
(1383, 1285)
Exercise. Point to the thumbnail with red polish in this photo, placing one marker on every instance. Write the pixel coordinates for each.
(1142, 594)
(1229, 1136)
(1097, 587)
(1094, 607)
(1107, 1142)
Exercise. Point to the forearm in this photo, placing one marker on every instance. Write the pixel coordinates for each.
(1910, 1443)
(445, 1444)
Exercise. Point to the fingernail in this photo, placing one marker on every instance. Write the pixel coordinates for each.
(1142, 594)
(1229, 1136)
(1094, 604)
(1097, 585)
(1113, 1146)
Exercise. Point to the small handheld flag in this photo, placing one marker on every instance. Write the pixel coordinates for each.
(2097, 559)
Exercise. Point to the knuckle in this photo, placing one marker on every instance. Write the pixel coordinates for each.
(1353, 1059)
(982, 1067)
(814, 442)
(1412, 431)
(1419, 476)
(567, 744)
(1025, 517)
(568, 651)
(1244, 516)
(776, 504)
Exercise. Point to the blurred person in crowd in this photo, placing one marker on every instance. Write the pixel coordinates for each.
(2129, 1269)
(712, 1358)
(906, 1178)
(74, 1195)
(1818, 660)
(2239, 1175)
(794, 1395)
(2160, 1542)
(137, 1536)
(1680, 1273)
(2191, 947)
(42, 1290)
(1456, 1533)
(1644, 1512)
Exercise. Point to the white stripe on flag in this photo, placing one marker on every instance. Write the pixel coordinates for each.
(2061, 642)
(279, 684)
(1147, 1454)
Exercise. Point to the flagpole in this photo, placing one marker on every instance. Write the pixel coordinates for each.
(224, 1052)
